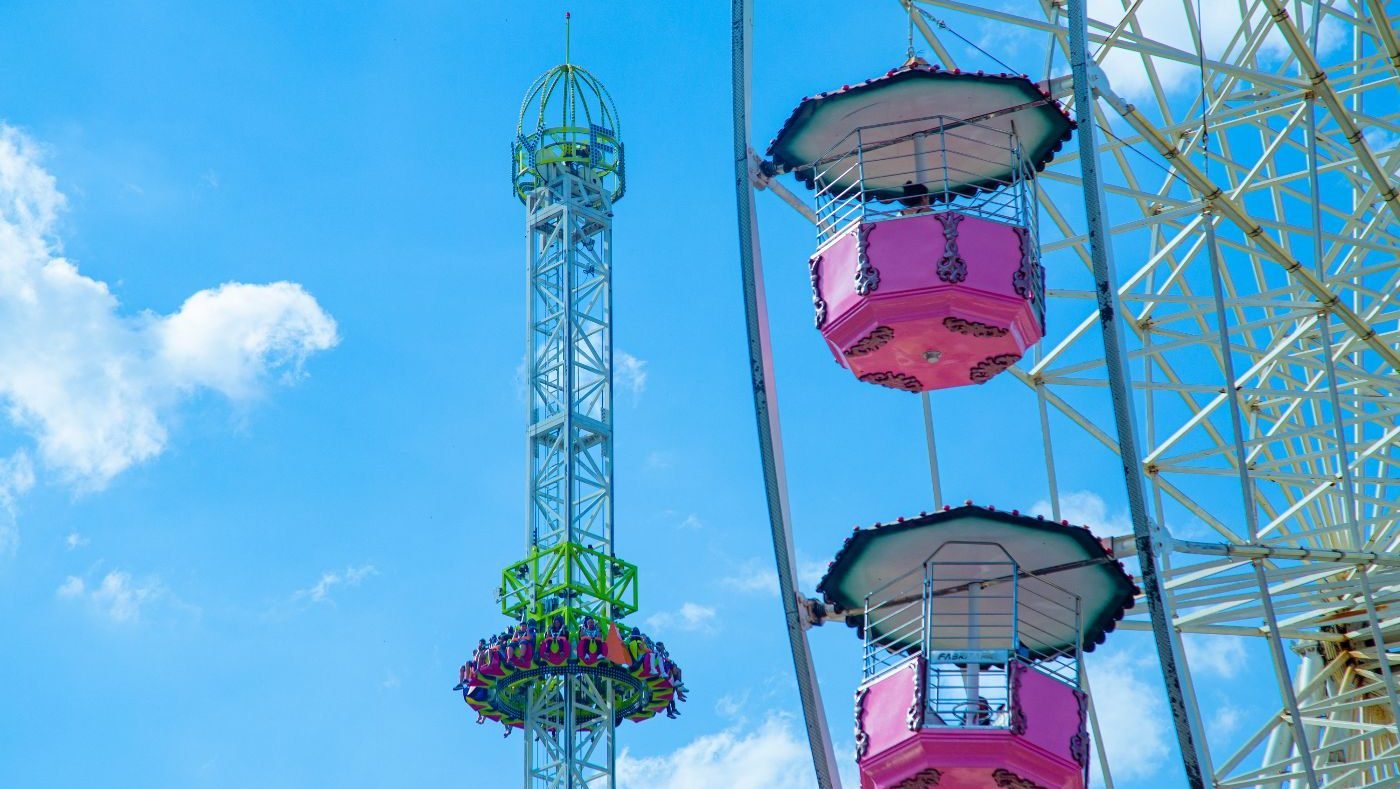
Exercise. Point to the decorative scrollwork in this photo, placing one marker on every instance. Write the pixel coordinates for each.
(1079, 743)
(814, 271)
(927, 778)
(972, 328)
(1005, 779)
(867, 276)
(915, 717)
(906, 383)
(1018, 710)
(871, 342)
(984, 370)
(951, 268)
(1029, 279)
(862, 739)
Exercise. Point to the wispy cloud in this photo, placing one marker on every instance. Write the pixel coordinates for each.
(660, 459)
(1087, 508)
(771, 756)
(1220, 656)
(753, 576)
(758, 575)
(691, 617)
(691, 522)
(630, 374)
(16, 477)
(118, 597)
(74, 541)
(1224, 721)
(1132, 715)
(320, 592)
(93, 386)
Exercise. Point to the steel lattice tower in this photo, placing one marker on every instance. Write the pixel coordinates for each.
(565, 672)
(568, 202)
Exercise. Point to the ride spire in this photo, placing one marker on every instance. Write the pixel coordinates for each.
(567, 671)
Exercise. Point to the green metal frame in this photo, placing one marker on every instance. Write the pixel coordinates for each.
(586, 582)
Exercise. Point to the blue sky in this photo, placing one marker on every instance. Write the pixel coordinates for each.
(264, 444)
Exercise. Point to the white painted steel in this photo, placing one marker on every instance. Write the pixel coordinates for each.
(1308, 298)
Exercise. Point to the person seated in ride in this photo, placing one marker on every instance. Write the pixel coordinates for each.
(555, 648)
(522, 654)
(915, 199)
(639, 647)
(672, 671)
(667, 671)
(979, 713)
(493, 659)
(660, 660)
(590, 642)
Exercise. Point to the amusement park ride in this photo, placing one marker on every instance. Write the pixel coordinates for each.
(1255, 328)
(567, 672)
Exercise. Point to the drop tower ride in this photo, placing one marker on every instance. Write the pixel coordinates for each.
(567, 671)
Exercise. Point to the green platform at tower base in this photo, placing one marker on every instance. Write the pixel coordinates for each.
(569, 580)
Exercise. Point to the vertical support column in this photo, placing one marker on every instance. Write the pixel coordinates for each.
(570, 723)
(1189, 738)
(765, 403)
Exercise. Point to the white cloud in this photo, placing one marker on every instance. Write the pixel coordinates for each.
(1224, 721)
(1086, 508)
(1132, 714)
(756, 575)
(690, 617)
(732, 705)
(320, 592)
(772, 756)
(753, 576)
(809, 573)
(117, 597)
(391, 681)
(692, 521)
(1167, 23)
(16, 477)
(71, 587)
(94, 387)
(1219, 656)
(660, 460)
(522, 378)
(630, 374)
(75, 541)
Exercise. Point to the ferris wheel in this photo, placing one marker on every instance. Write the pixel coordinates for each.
(1208, 276)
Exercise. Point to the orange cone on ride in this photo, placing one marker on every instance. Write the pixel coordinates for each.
(613, 648)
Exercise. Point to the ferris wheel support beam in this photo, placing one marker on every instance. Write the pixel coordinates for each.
(1137, 46)
(1307, 63)
(1386, 34)
(1334, 395)
(1190, 734)
(765, 401)
(1251, 513)
(1229, 208)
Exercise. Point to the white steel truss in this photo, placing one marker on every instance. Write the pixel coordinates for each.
(1255, 221)
(570, 718)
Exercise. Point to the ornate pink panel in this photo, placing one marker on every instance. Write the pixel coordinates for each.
(1042, 748)
(928, 301)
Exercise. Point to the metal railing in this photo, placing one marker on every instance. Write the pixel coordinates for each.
(879, 172)
(975, 622)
